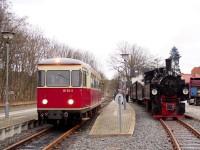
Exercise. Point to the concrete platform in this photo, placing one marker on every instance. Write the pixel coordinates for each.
(18, 121)
(16, 117)
(107, 123)
(17, 107)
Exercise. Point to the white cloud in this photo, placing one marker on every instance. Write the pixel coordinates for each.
(98, 25)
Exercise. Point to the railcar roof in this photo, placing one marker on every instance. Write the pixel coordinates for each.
(65, 61)
(61, 61)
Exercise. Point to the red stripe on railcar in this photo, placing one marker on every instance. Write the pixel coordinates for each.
(57, 97)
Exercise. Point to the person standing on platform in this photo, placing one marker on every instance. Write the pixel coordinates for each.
(119, 97)
(127, 95)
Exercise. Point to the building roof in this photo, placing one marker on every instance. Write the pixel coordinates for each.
(186, 77)
(196, 71)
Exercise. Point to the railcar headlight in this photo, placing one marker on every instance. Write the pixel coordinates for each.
(185, 91)
(70, 101)
(44, 101)
(154, 92)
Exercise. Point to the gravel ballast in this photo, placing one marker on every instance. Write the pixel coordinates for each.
(148, 134)
(194, 123)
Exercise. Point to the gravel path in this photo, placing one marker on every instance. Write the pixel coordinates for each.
(148, 134)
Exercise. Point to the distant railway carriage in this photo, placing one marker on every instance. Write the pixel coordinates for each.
(67, 88)
(137, 91)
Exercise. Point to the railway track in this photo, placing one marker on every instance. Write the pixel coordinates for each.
(45, 139)
(28, 139)
(40, 140)
(183, 136)
(54, 144)
(106, 101)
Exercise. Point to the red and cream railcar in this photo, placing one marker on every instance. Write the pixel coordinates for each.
(66, 89)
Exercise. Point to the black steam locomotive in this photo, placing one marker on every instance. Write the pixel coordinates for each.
(162, 91)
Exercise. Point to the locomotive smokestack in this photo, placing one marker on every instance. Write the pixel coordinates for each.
(168, 64)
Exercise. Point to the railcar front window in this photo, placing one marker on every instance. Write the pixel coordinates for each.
(58, 78)
(41, 78)
(76, 78)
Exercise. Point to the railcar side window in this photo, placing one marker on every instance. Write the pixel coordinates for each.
(97, 84)
(76, 78)
(92, 81)
(84, 78)
(41, 78)
(58, 78)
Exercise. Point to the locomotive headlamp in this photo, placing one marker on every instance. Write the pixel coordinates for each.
(44, 101)
(70, 101)
(154, 91)
(185, 91)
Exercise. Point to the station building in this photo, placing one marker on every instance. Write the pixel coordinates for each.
(195, 73)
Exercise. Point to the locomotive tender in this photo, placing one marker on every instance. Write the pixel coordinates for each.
(67, 89)
(163, 92)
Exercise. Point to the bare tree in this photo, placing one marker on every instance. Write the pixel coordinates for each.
(27, 48)
(136, 62)
(139, 61)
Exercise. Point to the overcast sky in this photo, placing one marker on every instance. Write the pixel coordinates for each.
(99, 25)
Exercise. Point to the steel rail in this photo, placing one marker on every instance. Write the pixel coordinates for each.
(14, 146)
(189, 127)
(62, 137)
(175, 143)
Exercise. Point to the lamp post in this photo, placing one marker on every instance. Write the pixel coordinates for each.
(7, 36)
(125, 56)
